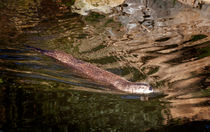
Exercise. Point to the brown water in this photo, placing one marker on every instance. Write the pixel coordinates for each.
(38, 93)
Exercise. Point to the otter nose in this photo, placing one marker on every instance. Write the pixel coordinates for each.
(150, 88)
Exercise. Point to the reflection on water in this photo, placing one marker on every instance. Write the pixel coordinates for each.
(28, 108)
(171, 53)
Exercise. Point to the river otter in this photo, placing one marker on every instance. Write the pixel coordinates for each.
(97, 74)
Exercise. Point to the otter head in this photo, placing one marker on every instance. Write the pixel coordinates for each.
(139, 88)
(132, 87)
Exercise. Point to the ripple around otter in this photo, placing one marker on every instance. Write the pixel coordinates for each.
(38, 93)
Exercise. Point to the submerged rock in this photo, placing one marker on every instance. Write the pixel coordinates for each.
(84, 6)
(135, 13)
(139, 15)
(195, 3)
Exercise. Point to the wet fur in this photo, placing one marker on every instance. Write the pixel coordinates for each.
(96, 74)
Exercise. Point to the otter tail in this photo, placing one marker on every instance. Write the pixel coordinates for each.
(36, 49)
(45, 52)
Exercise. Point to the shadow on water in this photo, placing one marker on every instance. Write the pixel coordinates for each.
(169, 48)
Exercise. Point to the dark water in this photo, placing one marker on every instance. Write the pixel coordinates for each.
(38, 93)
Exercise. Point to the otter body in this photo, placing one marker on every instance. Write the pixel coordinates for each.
(97, 74)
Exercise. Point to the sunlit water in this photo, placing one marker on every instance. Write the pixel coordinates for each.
(38, 93)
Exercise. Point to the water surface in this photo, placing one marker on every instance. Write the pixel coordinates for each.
(38, 93)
